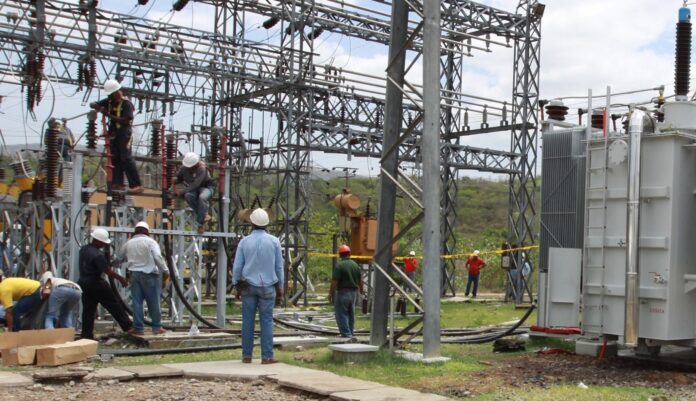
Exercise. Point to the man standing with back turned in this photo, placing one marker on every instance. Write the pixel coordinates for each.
(258, 276)
(146, 267)
(347, 280)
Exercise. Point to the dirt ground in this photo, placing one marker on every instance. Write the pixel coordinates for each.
(541, 371)
(156, 390)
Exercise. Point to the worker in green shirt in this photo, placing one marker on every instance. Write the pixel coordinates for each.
(345, 283)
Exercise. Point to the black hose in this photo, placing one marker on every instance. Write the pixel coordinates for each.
(489, 338)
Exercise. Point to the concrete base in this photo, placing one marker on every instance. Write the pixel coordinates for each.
(152, 371)
(323, 383)
(183, 340)
(386, 394)
(8, 379)
(352, 352)
(584, 346)
(303, 341)
(236, 370)
(415, 357)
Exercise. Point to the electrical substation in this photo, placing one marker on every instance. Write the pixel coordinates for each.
(615, 266)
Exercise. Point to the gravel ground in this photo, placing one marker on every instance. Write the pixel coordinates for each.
(157, 390)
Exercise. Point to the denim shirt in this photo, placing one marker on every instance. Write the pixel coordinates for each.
(259, 260)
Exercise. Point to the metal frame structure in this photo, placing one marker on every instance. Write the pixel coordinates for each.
(318, 107)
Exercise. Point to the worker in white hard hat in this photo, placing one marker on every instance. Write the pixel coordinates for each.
(410, 266)
(95, 290)
(147, 269)
(197, 189)
(257, 274)
(121, 113)
(473, 266)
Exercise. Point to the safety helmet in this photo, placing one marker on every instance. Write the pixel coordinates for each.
(259, 218)
(101, 235)
(477, 252)
(190, 159)
(143, 224)
(412, 253)
(111, 86)
(343, 249)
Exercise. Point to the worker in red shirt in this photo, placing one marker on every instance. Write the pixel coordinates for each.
(474, 265)
(410, 266)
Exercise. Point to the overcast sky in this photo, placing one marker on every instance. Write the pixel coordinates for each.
(586, 44)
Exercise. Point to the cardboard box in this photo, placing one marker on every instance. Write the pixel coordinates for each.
(20, 355)
(36, 337)
(60, 354)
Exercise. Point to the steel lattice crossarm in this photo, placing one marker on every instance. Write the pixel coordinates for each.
(158, 61)
(369, 23)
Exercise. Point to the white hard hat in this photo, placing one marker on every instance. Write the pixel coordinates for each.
(477, 252)
(259, 218)
(144, 225)
(111, 86)
(190, 159)
(45, 277)
(101, 235)
(412, 253)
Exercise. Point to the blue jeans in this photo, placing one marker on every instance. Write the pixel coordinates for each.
(263, 299)
(474, 280)
(23, 306)
(64, 302)
(146, 287)
(199, 201)
(344, 308)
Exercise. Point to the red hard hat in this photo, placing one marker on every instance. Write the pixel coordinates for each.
(343, 249)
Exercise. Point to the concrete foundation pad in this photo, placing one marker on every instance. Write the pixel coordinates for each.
(8, 379)
(183, 340)
(110, 374)
(584, 346)
(237, 370)
(324, 383)
(304, 341)
(386, 394)
(415, 357)
(352, 352)
(151, 371)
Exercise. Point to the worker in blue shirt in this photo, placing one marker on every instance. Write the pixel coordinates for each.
(257, 274)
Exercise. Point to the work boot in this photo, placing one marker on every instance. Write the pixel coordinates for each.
(268, 361)
(136, 190)
(246, 360)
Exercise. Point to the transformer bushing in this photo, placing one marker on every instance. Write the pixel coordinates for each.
(155, 138)
(171, 168)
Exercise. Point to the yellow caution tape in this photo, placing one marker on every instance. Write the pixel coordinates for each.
(445, 257)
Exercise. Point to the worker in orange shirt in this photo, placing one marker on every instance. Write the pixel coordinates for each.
(410, 266)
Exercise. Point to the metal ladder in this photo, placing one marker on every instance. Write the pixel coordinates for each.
(601, 208)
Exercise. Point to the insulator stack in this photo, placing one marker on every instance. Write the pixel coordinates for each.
(683, 55)
(51, 157)
(38, 74)
(92, 73)
(214, 155)
(556, 110)
(597, 120)
(92, 130)
(155, 137)
(22, 169)
(170, 148)
(2, 174)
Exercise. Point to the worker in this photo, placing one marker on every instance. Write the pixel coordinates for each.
(198, 187)
(473, 266)
(121, 113)
(257, 274)
(19, 296)
(66, 141)
(95, 290)
(410, 266)
(63, 302)
(345, 284)
(147, 271)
